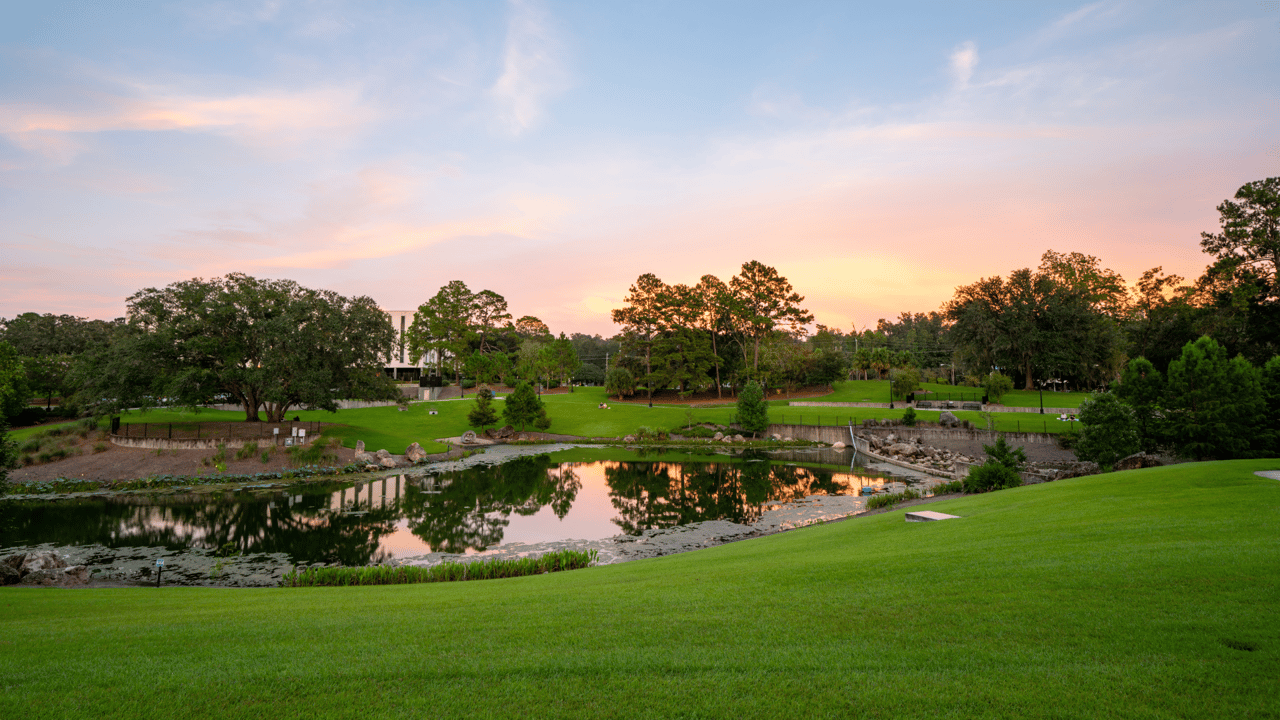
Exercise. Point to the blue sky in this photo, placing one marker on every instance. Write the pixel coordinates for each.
(877, 154)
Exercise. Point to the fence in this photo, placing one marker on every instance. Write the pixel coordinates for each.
(259, 431)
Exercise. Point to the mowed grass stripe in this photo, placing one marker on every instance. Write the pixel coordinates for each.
(1106, 596)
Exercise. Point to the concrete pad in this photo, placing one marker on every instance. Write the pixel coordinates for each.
(1273, 474)
(927, 515)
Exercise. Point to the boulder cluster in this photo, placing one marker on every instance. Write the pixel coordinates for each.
(384, 460)
(42, 569)
(914, 451)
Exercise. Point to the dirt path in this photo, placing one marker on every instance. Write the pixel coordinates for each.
(121, 463)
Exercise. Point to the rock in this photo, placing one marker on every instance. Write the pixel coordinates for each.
(788, 439)
(387, 462)
(37, 561)
(14, 561)
(370, 468)
(726, 440)
(364, 457)
(469, 438)
(629, 439)
(718, 436)
(737, 438)
(901, 449)
(838, 446)
(948, 419)
(490, 434)
(9, 575)
(359, 446)
(1078, 469)
(891, 438)
(414, 453)
(383, 454)
(775, 437)
(506, 431)
(1139, 460)
(76, 575)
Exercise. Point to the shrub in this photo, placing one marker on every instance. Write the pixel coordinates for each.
(99, 447)
(1011, 457)
(991, 475)
(265, 457)
(483, 414)
(1108, 430)
(1069, 439)
(996, 385)
(905, 381)
(247, 451)
(909, 417)
(320, 452)
(30, 446)
(753, 411)
(620, 382)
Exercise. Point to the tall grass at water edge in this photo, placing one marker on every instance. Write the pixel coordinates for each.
(491, 569)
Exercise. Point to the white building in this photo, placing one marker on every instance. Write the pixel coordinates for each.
(397, 362)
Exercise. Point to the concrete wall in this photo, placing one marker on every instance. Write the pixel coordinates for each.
(928, 433)
(830, 434)
(342, 405)
(845, 404)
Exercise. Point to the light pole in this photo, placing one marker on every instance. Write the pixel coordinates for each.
(890, 388)
(1041, 384)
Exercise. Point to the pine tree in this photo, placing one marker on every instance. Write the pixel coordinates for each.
(753, 411)
(483, 414)
(523, 408)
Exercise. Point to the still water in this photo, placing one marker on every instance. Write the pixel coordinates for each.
(528, 499)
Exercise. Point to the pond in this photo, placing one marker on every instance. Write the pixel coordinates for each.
(580, 494)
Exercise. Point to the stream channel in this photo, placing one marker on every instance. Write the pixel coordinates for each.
(510, 501)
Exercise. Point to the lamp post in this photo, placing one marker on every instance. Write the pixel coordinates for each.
(1041, 383)
(890, 388)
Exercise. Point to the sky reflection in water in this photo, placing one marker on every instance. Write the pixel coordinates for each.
(529, 499)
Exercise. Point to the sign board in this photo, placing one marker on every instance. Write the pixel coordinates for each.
(159, 562)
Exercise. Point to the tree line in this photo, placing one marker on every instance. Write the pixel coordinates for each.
(692, 338)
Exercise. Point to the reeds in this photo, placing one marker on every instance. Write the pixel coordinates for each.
(491, 569)
(891, 499)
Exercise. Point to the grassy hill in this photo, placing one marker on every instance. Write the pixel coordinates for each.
(1145, 594)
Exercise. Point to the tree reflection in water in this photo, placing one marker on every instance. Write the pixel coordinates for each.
(452, 512)
(303, 526)
(470, 510)
(658, 495)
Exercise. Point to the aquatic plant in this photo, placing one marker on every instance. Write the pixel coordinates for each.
(491, 569)
(953, 486)
(891, 499)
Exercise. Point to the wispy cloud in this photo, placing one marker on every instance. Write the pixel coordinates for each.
(963, 60)
(268, 117)
(533, 67)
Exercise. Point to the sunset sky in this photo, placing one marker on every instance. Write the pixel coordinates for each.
(877, 154)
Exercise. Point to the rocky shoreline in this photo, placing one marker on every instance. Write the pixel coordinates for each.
(100, 566)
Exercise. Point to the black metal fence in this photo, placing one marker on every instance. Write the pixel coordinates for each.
(213, 430)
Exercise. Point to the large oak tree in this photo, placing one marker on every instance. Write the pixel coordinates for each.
(265, 343)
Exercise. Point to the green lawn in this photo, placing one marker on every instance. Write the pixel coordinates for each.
(576, 413)
(1148, 594)
(878, 391)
